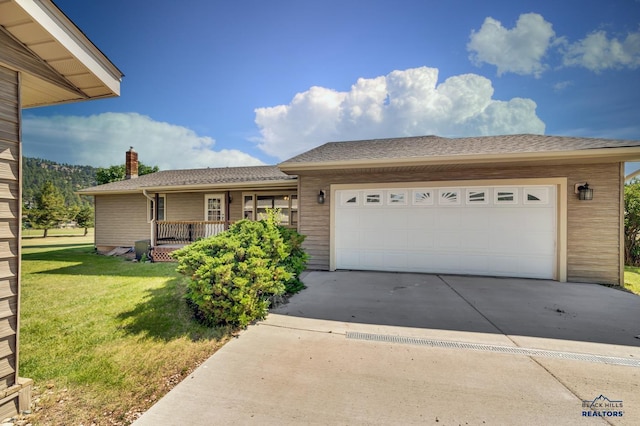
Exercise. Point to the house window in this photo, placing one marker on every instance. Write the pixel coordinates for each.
(256, 205)
(151, 207)
(214, 207)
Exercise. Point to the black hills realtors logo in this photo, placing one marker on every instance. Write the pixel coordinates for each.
(602, 407)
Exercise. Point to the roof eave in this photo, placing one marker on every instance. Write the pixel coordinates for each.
(604, 154)
(272, 184)
(65, 34)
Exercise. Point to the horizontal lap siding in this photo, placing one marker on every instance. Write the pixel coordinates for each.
(185, 206)
(593, 227)
(121, 220)
(189, 206)
(9, 224)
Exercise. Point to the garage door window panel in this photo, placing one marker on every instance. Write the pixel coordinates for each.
(536, 196)
(397, 198)
(477, 196)
(449, 197)
(423, 197)
(349, 199)
(373, 198)
(506, 196)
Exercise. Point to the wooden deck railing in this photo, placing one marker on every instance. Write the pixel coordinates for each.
(186, 232)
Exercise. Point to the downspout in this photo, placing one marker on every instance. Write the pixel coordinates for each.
(153, 221)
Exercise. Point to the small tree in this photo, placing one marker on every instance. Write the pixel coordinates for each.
(117, 173)
(235, 274)
(631, 222)
(49, 208)
(84, 218)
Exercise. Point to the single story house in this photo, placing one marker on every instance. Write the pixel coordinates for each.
(175, 207)
(44, 60)
(529, 206)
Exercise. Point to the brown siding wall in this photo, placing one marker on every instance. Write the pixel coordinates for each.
(593, 227)
(10, 217)
(121, 220)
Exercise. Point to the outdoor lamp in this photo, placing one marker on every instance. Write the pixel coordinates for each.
(584, 192)
(321, 197)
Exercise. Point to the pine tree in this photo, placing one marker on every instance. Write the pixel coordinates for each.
(49, 210)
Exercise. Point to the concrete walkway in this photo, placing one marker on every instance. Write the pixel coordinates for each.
(385, 348)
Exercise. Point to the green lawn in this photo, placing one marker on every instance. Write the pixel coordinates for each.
(103, 338)
(632, 279)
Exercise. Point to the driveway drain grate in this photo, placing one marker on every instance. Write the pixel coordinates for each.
(493, 348)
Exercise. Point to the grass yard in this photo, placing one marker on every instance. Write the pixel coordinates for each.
(103, 338)
(632, 279)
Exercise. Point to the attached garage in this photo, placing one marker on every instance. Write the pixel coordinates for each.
(507, 230)
(492, 205)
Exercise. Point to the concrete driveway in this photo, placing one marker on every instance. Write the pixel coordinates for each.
(387, 348)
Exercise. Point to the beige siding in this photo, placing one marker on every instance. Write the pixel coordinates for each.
(189, 206)
(593, 227)
(185, 206)
(9, 227)
(235, 207)
(121, 220)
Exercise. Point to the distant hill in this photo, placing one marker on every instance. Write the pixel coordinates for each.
(68, 178)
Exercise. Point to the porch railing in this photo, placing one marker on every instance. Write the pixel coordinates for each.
(186, 232)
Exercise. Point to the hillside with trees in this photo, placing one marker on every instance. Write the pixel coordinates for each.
(48, 191)
(36, 172)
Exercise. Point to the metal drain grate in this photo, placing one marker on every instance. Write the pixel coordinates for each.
(494, 348)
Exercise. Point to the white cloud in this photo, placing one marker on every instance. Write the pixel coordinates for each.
(101, 140)
(518, 50)
(597, 52)
(402, 103)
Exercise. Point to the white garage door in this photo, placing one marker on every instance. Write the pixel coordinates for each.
(503, 231)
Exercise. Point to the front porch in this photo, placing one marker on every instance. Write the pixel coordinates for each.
(169, 236)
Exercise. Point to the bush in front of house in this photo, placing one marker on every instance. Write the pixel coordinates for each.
(234, 274)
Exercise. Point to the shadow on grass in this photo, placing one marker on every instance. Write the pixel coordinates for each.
(87, 262)
(164, 315)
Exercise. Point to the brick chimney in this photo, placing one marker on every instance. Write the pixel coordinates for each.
(131, 164)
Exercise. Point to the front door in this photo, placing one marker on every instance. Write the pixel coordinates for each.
(214, 208)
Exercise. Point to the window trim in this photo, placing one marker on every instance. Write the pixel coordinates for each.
(290, 195)
(151, 211)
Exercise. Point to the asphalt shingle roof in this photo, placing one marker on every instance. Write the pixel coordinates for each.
(209, 176)
(436, 146)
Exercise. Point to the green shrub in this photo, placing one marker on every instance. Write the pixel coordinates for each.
(235, 273)
(296, 262)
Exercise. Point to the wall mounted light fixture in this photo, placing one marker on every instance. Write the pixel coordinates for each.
(321, 195)
(584, 192)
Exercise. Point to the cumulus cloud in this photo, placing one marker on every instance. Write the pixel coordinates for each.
(402, 103)
(518, 50)
(101, 140)
(598, 52)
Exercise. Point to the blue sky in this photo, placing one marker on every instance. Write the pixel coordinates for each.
(224, 83)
